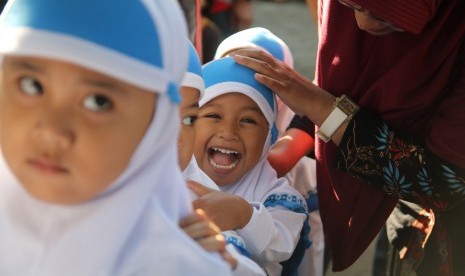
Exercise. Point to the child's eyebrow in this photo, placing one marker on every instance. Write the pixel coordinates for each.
(25, 66)
(252, 108)
(106, 85)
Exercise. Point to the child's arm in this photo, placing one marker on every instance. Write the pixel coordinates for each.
(289, 149)
(272, 234)
(200, 228)
(227, 211)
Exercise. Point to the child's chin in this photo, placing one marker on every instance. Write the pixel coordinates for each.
(225, 180)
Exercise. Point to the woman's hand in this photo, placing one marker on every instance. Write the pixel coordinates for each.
(299, 93)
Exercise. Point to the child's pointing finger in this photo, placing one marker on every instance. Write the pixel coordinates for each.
(198, 188)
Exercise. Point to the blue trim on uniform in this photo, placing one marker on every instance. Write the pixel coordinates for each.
(312, 202)
(291, 202)
(238, 245)
(288, 201)
(127, 29)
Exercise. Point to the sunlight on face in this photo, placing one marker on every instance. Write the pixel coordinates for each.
(370, 24)
(68, 132)
(230, 137)
(188, 111)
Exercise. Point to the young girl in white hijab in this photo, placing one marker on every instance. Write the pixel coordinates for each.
(198, 225)
(300, 172)
(235, 129)
(89, 183)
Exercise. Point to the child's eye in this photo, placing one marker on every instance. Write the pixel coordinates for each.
(189, 120)
(212, 116)
(30, 86)
(96, 102)
(248, 121)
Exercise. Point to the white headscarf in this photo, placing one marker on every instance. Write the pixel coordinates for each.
(132, 227)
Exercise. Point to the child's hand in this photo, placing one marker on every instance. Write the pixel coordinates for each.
(227, 211)
(205, 232)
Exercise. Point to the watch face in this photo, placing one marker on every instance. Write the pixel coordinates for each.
(347, 106)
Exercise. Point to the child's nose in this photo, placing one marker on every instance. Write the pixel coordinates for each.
(52, 135)
(228, 132)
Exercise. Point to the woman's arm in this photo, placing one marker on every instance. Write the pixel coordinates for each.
(430, 173)
(400, 165)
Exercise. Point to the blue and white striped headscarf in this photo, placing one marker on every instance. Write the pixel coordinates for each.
(263, 39)
(223, 76)
(112, 37)
(131, 228)
(259, 38)
(193, 77)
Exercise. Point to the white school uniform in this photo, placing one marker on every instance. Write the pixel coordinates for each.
(279, 211)
(131, 228)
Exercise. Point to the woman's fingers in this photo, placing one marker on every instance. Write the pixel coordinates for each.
(256, 59)
(255, 54)
(269, 72)
(273, 84)
(257, 65)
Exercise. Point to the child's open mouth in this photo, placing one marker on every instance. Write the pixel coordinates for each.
(224, 159)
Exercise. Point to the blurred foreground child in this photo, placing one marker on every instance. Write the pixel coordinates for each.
(88, 176)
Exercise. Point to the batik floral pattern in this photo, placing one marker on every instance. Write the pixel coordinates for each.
(401, 166)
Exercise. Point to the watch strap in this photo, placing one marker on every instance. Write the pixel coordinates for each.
(343, 110)
(331, 124)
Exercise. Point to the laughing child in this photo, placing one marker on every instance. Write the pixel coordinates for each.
(235, 129)
(199, 226)
(89, 183)
(299, 170)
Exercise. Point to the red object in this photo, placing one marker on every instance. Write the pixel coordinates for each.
(220, 6)
(410, 79)
(198, 29)
(285, 154)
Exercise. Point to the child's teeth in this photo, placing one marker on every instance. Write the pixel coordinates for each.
(212, 162)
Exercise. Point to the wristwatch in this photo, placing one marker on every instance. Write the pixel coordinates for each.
(343, 110)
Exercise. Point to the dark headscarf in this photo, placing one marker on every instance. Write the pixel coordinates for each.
(402, 77)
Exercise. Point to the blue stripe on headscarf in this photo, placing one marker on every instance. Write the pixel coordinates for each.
(267, 41)
(173, 93)
(213, 74)
(105, 23)
(194, 66)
